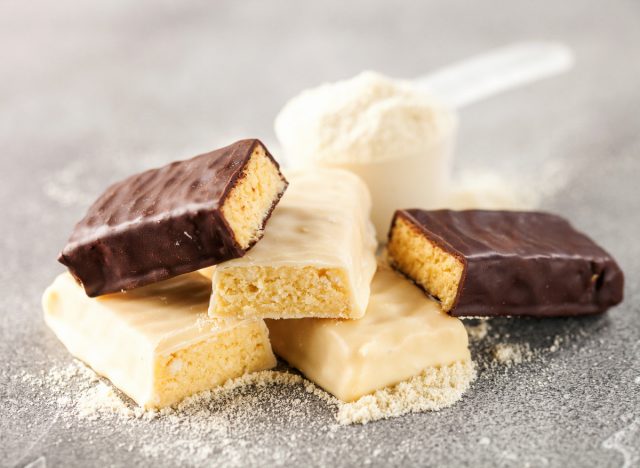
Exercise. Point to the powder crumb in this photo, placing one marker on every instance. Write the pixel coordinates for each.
(555, 346)
(492, 345)
(101, 400)
(433, 390)
(478, 331)
(510, 354)
(63, 401)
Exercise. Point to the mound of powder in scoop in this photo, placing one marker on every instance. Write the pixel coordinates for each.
(367, 118)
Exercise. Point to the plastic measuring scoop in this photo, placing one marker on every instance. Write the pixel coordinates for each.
(419, 175)
(497, 71)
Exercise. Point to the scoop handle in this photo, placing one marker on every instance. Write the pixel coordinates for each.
(496, 71)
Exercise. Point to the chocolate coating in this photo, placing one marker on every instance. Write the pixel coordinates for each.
(522, 263)
(158, 224)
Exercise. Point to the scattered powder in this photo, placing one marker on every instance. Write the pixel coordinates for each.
(491, 348)
(627, 442)
(257, 406)
(63, 186)
(231, 415)
(555, 346)
(99, 401)
(433, 390)
(238, 411)
(479, 331)
(223, 392)
(488, 190)
(75, 183)
(510, 354)
(482, 188)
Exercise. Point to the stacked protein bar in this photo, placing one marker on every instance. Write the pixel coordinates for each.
(145, 237)
(343, 318)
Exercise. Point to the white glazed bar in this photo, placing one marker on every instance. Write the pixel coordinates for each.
(403, 334)
(316, 259)
(155, 343)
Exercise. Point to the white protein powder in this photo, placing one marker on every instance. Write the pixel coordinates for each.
(368, 118)
(394, 136)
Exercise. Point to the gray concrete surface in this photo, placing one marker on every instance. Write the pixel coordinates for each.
(91, 91)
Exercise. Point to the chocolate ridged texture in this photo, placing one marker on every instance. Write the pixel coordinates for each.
(158, 224)
(522, 263)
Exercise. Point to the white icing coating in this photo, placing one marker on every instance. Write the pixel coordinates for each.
(402, 334)
(321, 221)
(121, 335)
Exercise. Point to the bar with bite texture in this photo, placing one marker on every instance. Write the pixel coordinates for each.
(504, 263)
(155, 343)
(175, 219)
(316, 259)
(403, 334)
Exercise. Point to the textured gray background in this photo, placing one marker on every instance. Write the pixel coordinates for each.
(90, 92)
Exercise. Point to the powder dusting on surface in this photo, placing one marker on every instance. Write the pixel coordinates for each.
(510, 354)
(625, 441)
(235, 412)
(478, 331)
(490, 191)
(492, 349)
(243, 422)
(433, 390)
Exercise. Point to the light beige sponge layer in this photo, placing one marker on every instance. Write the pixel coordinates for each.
(292, 291)
(435, 270)
(316, 259)
(156, 343)
(251, 199)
